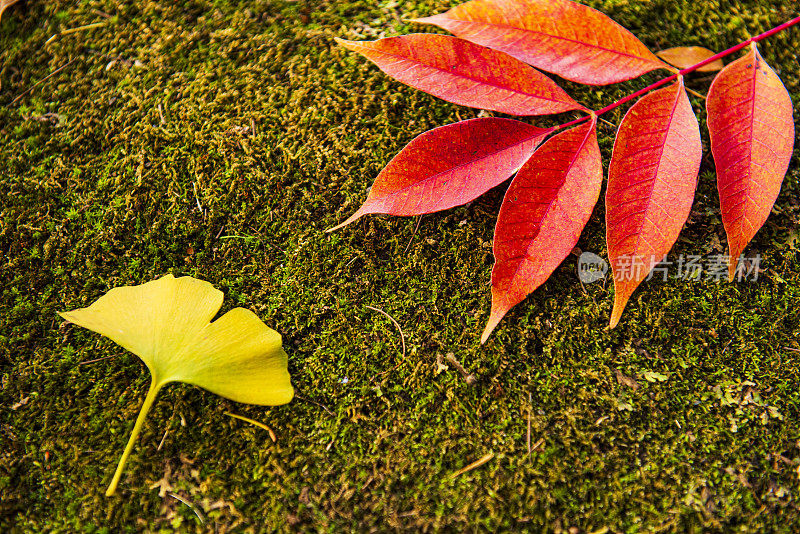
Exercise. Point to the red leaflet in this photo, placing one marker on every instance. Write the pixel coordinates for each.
(651, 183)
(752, 134)
(543, 213)
(450, 165)
(569, 39)
(465, 73)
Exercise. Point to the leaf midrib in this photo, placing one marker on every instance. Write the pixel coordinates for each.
(460, 165)
(480, 80)
(558, 37)
(552, 200)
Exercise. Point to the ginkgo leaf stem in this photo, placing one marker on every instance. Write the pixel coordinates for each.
(682, 72)
(148, 403)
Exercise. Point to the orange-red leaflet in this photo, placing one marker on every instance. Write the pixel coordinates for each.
(569, 39)
(752, 135)
(467, 74)
(684, 57)
(451, 165)
(651, 183)
(542, 216)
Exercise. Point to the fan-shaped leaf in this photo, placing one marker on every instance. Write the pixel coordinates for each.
(542, 216)
(569, 39)
(752, 135)
(651, 183)
(466, 74)
(166, 323)
(450, 165)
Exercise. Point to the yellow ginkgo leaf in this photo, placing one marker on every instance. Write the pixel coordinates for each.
(166, 323)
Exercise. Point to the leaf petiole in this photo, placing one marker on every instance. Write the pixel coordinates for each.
(148, 403)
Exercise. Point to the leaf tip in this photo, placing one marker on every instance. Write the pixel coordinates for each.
(488, 330)
(352, 218)
(350, 45)
(733, 263)
(736, 248)
(620, 301)
(499, 310)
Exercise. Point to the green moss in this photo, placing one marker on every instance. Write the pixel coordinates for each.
(139, 158)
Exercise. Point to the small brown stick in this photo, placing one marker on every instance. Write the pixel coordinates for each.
(695, 93)
(74, 30)
(402, 336)
(37, 84)
(419, 220)
(298, 397)
(473, 465)
(99, 359)
(469, 377)
(609, 123)
(528, 436)
(163, 439)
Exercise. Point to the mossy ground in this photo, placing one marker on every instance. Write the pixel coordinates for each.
(219, 139)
